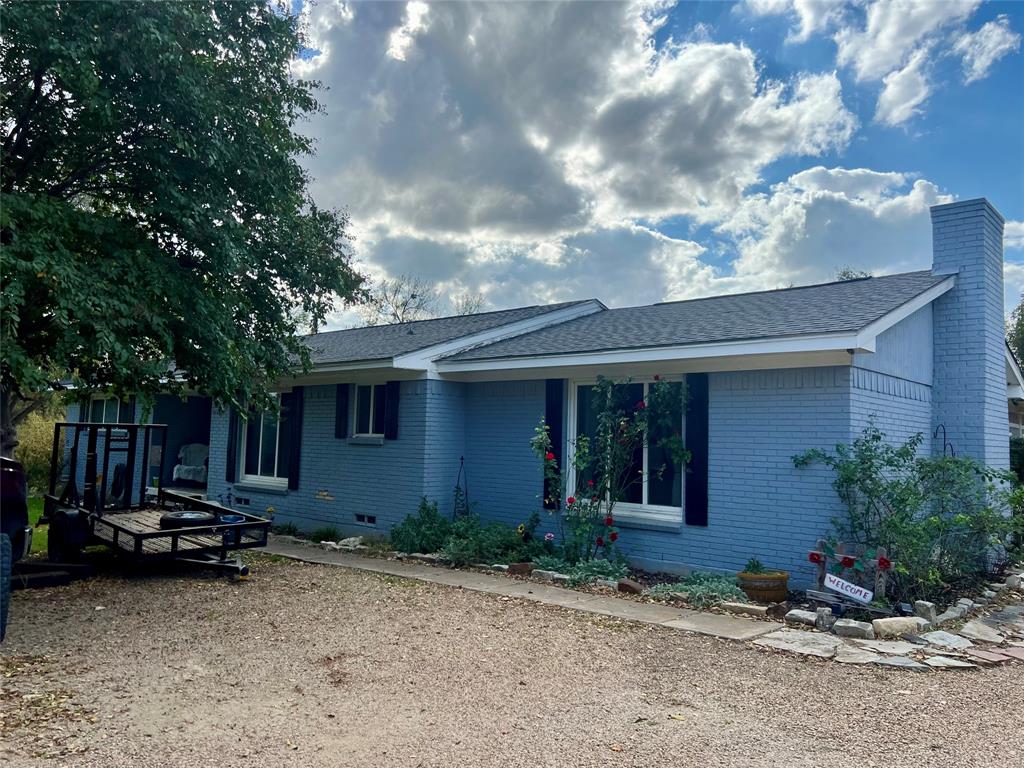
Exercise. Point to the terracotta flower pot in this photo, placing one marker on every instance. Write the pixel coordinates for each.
(769, 587)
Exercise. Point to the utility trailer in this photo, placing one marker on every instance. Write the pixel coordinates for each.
(106, 499)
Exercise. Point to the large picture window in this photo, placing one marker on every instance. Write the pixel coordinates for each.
(370, 402)
(265, 445)
(659, 484)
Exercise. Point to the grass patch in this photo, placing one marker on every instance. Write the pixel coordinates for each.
(35, 511)
(325, 533)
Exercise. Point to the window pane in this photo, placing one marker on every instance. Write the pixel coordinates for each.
(284, 440)
(632, 395)
(666, 490)
(268, 451)
(110, 411)
(363, 410)
(586, 425)
(96, 411)
(252, 444)
(126, 416)
(379, 401)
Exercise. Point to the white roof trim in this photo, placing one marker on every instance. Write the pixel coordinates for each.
(424, 359)
(868, 335)
(1014, 377)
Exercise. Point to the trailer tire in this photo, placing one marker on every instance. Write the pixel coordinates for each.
(187, 518)
(6, 562)
(62, 545)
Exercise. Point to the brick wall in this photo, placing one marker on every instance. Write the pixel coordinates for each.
(970, 386)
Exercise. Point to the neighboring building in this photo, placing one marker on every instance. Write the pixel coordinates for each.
(388, 413)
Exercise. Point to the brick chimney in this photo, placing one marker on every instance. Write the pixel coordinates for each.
(969, 387)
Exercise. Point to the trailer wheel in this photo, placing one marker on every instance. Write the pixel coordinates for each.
(6, 561)
(62, 543)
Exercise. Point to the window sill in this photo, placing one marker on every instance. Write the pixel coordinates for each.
(254, 486)
(649, 520)
(365, 440)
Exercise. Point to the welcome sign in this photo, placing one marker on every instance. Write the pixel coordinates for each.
(848, 589)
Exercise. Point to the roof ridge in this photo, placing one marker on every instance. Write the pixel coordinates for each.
(452, 317)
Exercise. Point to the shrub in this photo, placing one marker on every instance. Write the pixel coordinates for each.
(286, 529)
(552, 563)
(944, 521)
(324, 533)
(587, 571)
(35, 443)
(701, 590)
(426, 531)
(1017, 457)
(472, 542)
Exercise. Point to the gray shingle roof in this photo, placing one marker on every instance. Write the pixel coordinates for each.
(829, 308)
(382, 342)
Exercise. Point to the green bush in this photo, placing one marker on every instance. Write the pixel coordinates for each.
(286, 529)
(552, 563)
(427, 531)
(325, 533)
(1017, 457)
(944, 521)
(587, 571)
(472, 542)
(35, 444)
(701, 590)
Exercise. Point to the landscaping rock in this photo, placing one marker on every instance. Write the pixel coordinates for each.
(944, 662)
(851, 628)
(797, 616)
(953, 613)
(499, 568)
(351, 542)
(745, 609)
(608, 583)
(893, 647)
(424, 558)
(981, 600)
(947, 640)
(903, 663)
(976, 630)
(1013, 581)
(989, 594)
(520, 569)
(987, 657)
(329, 546)
(1017, 653)
(926, 611)
(997, 587)
(798, 641)
(562, 579)
(544, 575)
(629, 586)
(894, 626)
(846, 654)
(825, 619)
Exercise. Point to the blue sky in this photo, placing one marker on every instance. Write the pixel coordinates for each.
(655, 151)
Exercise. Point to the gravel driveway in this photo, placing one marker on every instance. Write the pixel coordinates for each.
(319, 666)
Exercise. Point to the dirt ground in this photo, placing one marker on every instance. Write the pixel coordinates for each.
(317, 666)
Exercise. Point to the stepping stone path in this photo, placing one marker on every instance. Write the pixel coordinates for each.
(978, 630)
(947, 640)
(902, 662)
(847, 654)
(805, 643)
(945, 662)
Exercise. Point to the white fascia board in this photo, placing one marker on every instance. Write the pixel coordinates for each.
(867, 336)
(425, 359)
(1014, 377)
(825, 342)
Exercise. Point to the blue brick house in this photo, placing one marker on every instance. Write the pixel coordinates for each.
(390, 413)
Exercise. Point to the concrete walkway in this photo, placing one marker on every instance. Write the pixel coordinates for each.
(717, 625)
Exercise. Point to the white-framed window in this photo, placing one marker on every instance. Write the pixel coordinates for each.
(369, 410)
(658, 493)
(110, 410)
(265, 447)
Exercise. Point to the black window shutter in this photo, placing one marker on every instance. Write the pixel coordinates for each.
(341, 411)
(697, 444)
(295, 428)
(232, 450)
(391, 410)
(554, 394)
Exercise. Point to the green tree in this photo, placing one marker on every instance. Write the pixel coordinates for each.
(156, 229)
(850, 273)
(1015, 331)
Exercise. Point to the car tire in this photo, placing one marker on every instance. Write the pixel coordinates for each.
(6, 561)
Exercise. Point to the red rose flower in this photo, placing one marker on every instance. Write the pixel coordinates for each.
(613, 536)
(600, 541)
(848, 561)
(641, 405)
(884, 563)
(815, 557)
(590, 483)
(571, 500)
(657, 377)
(608, 521)
(594, 499)
(549, 456)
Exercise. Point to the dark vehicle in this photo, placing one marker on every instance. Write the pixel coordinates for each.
(15, 532)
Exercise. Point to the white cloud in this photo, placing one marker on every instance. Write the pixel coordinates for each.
(812, 16)
(1013, 235)
(818, 220)
(895, 30)
(416, 20)
(904, 91)
(1013, 286)
(981, 49)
